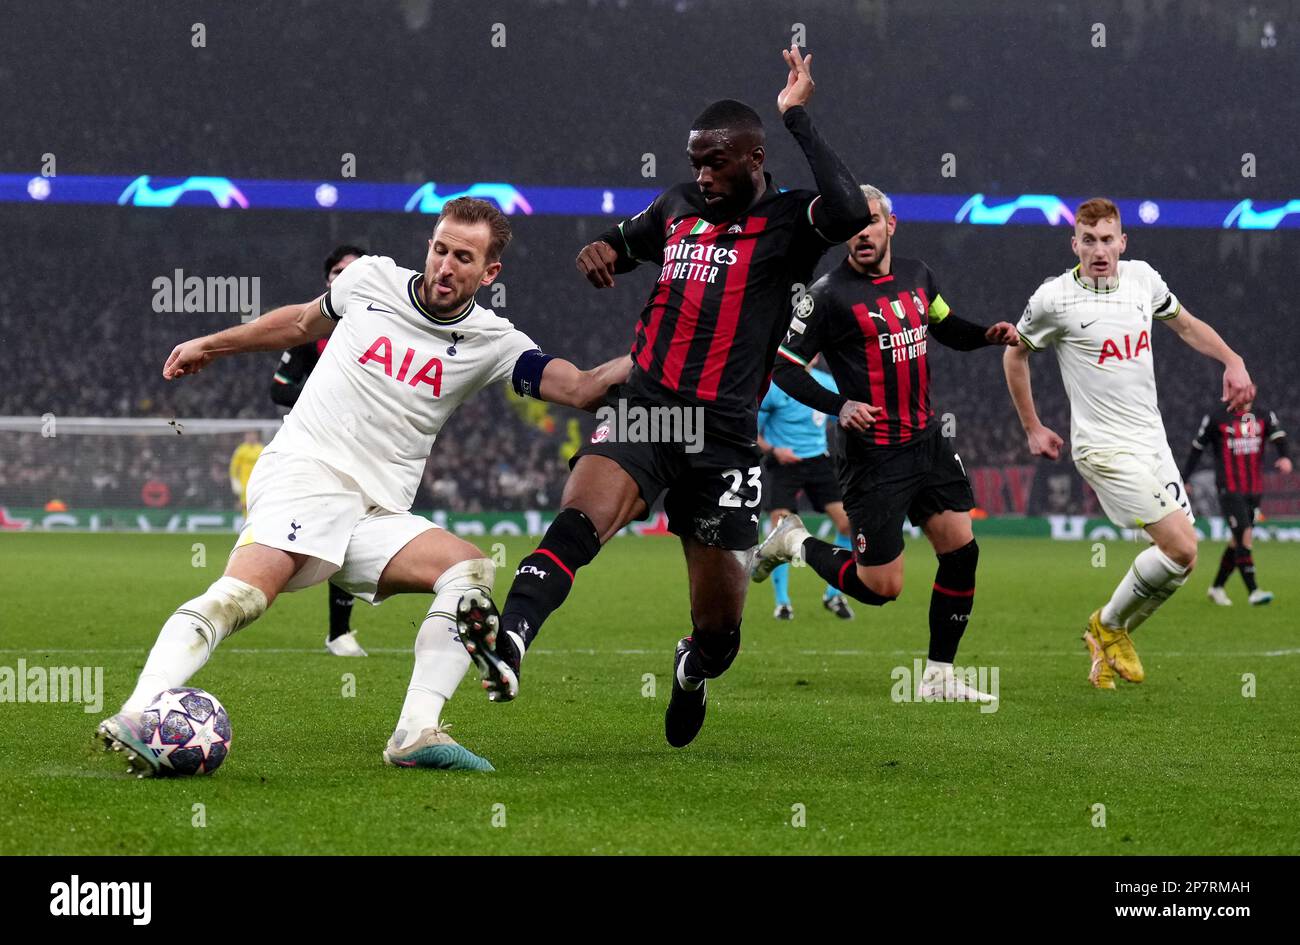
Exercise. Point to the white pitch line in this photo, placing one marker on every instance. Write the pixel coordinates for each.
(406, 651)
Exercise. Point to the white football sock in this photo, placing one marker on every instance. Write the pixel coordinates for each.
(440, 659)
(1146, 585)
(1149, 607)
(190, 635)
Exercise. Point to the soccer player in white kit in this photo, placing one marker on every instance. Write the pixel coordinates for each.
(330, 496)
(1099, 317)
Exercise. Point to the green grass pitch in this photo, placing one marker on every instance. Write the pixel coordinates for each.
(802, 730)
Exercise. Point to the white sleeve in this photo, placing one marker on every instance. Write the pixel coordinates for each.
(510, 346)
(334, 303)
(1038, 325)
(1164, 304)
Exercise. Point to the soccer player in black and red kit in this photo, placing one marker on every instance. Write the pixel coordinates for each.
(871, 318)
(730, 247)
(1237, 438)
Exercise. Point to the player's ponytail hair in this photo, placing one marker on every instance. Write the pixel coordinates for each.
(473, 210)
(1095, 210)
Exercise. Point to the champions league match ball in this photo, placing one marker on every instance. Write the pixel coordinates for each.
(187, 730)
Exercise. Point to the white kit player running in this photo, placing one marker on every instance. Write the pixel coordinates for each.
(330, 496)
(1098, 317)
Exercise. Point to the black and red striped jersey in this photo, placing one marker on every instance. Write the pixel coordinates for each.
(721, 304)
(872, 331)
(1236, 439)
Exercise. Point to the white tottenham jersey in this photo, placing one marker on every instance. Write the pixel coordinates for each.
(390, 377)
(1102, 338)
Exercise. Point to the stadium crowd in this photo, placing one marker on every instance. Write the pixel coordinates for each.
(84, 335)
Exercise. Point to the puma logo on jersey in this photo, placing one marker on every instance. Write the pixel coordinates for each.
(456, 338)
(1110, 348)
(381, 352)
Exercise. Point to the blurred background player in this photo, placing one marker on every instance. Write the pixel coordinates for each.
(242, 461)
(296, 366)
(1237, 439)
(1098, 318)
(796, 441)
(871, 318)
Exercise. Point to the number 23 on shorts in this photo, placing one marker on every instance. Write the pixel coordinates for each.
(731, 498)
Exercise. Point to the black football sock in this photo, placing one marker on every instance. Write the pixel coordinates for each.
(543, 579)
(711, 654)
(340, 612)
(835, 566)
(951, 600)
(1246, 565)
(1227, 564)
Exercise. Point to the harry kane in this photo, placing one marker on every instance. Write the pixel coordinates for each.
(330, 497)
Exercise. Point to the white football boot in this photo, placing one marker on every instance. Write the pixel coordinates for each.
(345, 645)
(1219, 596)
(941, 684)
(784, 543)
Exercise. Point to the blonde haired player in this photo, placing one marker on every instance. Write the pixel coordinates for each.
(1098, 317)
(330, 497)
(242, 461)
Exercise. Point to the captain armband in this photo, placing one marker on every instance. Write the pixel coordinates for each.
(527, 377)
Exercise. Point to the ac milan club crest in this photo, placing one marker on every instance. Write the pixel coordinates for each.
(862, 543)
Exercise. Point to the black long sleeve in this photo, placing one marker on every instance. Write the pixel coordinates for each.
(295, 366)
(804, 388)
(842, 210)
(959, 334)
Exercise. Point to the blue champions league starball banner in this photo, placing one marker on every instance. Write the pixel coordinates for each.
(224, 193)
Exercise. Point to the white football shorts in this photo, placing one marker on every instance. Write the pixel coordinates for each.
(1135, 489)
(301, 505)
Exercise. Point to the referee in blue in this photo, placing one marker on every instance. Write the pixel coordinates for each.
(794, 441)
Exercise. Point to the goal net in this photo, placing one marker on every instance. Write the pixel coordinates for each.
(104, 473)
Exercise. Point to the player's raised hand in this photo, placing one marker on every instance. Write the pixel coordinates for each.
(1044, 442)
(188, 357)
(1002, 333)
(596, 262)
(1238, 388)
(859, 417)
(799, 82)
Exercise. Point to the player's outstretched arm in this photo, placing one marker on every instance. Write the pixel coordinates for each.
(565, 383)
(795, 381)
(961, 335)
(1238, 388)
(1042, 440)
(841, 209)
(278, 329)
